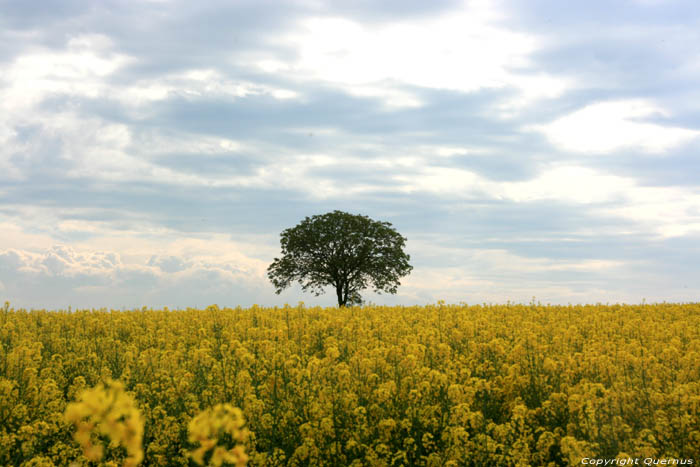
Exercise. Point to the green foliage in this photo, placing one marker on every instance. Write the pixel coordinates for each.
(345, 251)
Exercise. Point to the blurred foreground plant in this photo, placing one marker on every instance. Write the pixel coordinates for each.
(221, 423)
(107, 410)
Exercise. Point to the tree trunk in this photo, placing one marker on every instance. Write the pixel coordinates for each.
(339, 293)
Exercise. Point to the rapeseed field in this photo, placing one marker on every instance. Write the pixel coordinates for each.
(436, 385)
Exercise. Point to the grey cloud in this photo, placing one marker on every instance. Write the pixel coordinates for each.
(168, 263)
(366, 10)
(27, 16)
(615, 50)
(553, 16)
(11, 261)
(216, 166)
(449, 118)
(129, 205)
(678, 168)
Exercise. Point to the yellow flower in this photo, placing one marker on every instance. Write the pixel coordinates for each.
(210, 426)
(107, 410)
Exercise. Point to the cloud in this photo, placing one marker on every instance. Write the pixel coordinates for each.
(460, 50)
(79, 69)
(666, 211)
(609, 126)
(525, 148)
(571, 184)
(192, 84)
(60, 276)
(168, 264)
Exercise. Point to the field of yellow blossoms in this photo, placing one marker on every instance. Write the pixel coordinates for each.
(434, 385)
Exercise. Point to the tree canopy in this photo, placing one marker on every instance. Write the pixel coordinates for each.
(345, 251)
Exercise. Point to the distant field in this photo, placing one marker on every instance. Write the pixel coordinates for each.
(426, 385)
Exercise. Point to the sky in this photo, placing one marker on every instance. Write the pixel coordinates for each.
(151, 152)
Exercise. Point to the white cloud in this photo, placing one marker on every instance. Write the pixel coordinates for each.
(483, 266)
(61, 275)
(193, 84)
(77, 70)
(59, 260)
(566, 184)
(461, 51)
(665, 211)
(448, 151)
(445, 180)
(571, 184)
(500, 261)
(387, 93)
(153, 142)
(14, 237)
(95, 147)
(455, 52)
(608, 126)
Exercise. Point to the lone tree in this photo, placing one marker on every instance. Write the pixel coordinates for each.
(346, 251)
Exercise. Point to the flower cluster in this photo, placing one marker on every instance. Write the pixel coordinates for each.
(110, 412)
(213, 425)
(515, 384)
